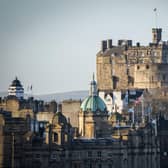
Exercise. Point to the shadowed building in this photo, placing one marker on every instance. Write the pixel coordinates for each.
(55, 146)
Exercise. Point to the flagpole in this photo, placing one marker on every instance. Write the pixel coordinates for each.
(155, 10)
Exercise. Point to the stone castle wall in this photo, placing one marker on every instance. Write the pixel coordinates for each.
(131, 72)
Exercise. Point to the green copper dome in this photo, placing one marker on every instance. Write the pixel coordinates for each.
(93, 103)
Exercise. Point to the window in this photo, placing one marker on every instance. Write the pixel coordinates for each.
(128, 71)
(90, 165)
(99, 153)
(89, 153)
(155, 54)
(138, 67)
(147, 66)
(53, 156)
(164, 77)
(75, 165)
(115, 81)
(152, 78)
(55, 137)
(37, 156)
(130, 80)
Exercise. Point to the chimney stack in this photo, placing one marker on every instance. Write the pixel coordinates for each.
(138, 44)
(104, 45)
(109, 43)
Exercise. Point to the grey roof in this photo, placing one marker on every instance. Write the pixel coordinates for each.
(16, 83)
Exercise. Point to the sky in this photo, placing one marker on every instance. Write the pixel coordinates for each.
(52, 44)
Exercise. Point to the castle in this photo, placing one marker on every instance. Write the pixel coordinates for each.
(131, 68)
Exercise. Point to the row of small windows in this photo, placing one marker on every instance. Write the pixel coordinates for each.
(145, 54)
(90, 154)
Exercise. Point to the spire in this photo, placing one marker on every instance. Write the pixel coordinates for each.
(93, 87)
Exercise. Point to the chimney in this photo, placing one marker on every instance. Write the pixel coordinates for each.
(109, 43)
(138, 44)
(59, 107)
(104, 45)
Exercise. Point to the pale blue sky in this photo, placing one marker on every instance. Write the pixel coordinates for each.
(52, 44)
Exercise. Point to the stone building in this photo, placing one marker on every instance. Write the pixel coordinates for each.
(124, 73)
(163, 134)
(96, 153)
(54, 145)
(94, 147)
(21, 148)
(70, 109)
(127, 67)
(93, 117)
(12, 131)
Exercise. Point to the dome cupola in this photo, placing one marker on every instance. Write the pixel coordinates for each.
(93, 102)
(16, 83)
(16, 89)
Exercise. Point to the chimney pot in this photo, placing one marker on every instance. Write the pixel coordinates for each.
(109, 43)
(104, 45)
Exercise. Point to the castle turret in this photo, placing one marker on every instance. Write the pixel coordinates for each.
(157, 35)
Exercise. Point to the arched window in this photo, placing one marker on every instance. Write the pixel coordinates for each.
(115, 81)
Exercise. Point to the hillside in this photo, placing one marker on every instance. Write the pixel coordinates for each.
(75, 95)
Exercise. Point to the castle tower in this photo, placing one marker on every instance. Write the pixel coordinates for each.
(157, 35)
(16, 89)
